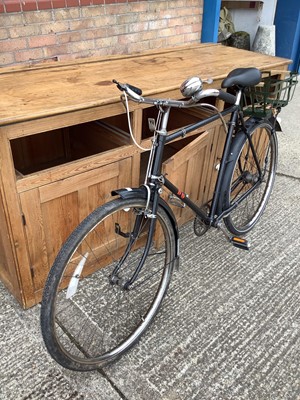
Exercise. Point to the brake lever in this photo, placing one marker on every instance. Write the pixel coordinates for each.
(120, 85)
(127, 88)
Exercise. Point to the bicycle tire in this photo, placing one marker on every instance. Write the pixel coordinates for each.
(74, 318)
(242, 173)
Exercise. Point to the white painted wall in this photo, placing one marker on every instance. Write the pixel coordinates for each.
(248, 20)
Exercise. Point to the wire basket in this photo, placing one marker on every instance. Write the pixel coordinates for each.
(269, 94)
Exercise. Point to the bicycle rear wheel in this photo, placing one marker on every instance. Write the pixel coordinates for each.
(87, 323)
(242, 175)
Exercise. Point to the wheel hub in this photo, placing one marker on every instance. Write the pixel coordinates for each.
(250, 178)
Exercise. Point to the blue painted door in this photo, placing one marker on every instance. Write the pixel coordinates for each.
(287, 21)
(210, 20)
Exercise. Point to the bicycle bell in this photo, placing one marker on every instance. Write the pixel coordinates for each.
(191, 86)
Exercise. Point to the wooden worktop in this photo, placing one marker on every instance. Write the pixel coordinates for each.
(59, 88)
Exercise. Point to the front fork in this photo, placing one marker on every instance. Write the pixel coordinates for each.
(154, 186)
(133, 236)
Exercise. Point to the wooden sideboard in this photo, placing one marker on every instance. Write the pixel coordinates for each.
(64, 145)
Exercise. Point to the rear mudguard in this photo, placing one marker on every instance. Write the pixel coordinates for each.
(241, 136)
(141, 193)
(275, 123)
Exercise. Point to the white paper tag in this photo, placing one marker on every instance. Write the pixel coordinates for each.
(73, 285)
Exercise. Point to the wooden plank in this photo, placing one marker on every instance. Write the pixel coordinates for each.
(124, 178)
(137, 123)
(60, 216)
(137, 120)
(35, 126)
(194, 177)
(86, 86)
(16, 228)
(182, 171)
(135, 171)
(90, 60)
(8, 273)
(83, 203)
(36, 241)
(218, 138)
(206, 168)
(74, 168)
(191, 149)
(77, 182)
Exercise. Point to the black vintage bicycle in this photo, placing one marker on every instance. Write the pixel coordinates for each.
(132, 240)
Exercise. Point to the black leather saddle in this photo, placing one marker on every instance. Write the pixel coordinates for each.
(242, 77)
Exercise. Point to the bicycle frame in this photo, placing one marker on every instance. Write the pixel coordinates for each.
(156, 180)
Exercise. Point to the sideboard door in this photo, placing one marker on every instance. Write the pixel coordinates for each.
(52, 211)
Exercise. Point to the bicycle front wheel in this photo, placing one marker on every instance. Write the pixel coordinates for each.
(89, 320)
(245, 184)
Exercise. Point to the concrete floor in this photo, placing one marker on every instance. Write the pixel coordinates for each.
(229, 328)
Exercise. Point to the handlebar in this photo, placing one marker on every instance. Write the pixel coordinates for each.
(136, 95)
(227, 97)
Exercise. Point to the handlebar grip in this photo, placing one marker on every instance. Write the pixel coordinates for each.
(227, 97)
(135, 89)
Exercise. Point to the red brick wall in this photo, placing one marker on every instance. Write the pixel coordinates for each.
(33, 31)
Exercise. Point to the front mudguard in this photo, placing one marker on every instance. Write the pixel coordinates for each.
(141, 193)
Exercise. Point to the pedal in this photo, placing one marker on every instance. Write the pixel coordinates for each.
(239, 243)
(236, 241)
(200, 227)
